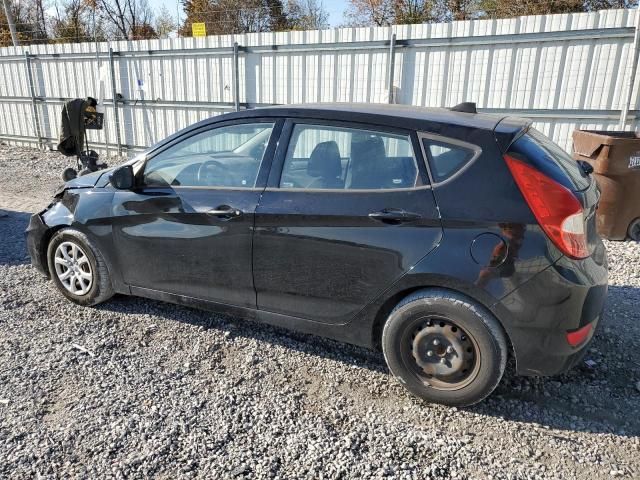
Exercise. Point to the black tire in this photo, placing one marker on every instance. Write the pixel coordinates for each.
(69, 174)
(634, 230)
(462, 376)
(100, 288)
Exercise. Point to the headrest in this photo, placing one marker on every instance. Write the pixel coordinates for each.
(325, 161)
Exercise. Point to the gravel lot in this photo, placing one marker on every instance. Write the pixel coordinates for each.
(139, 388)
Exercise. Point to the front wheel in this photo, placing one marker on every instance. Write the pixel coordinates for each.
(444, 347)
(78, 268)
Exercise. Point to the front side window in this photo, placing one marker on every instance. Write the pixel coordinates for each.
(325, 157)
(228, 156)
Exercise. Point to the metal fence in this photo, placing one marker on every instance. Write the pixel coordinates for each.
(563, 71)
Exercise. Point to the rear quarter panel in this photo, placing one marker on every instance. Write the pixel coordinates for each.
(481, 209)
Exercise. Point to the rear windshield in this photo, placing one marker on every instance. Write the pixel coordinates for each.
(551, 160)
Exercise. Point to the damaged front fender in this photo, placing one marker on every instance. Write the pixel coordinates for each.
(89, 213)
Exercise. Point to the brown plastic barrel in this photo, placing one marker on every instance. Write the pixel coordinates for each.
(615, 158)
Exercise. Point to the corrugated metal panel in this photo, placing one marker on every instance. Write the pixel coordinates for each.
(565, 71)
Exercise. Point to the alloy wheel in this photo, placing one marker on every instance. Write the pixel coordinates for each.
(73, 268)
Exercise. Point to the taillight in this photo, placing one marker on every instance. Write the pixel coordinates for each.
(576, 337)
(555, 207)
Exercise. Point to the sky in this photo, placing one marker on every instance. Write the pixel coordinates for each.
(335, 8)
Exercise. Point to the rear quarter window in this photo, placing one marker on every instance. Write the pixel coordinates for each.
(448, 157)
(549, 158)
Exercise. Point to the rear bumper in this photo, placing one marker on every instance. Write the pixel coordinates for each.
(35, 233)
(565, 297)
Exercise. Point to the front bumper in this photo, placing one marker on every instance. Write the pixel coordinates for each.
(566, 296)
(36, 235)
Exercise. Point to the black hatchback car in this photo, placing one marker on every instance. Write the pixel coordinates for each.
(449, 239)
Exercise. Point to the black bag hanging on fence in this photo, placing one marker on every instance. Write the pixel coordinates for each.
(72, 130)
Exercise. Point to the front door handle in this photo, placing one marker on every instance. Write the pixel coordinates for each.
(225, 211)
(394, 215)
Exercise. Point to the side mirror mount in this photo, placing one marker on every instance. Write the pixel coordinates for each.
(122, 178)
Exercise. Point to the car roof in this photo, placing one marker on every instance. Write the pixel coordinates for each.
(380, 113)
(505, 129)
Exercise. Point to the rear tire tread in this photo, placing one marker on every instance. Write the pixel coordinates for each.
(487, 319)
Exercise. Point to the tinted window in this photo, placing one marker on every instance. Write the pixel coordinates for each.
(323, 157)
(445, 159)
(551, 159)
(227, 156)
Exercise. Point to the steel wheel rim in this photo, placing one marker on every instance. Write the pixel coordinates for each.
(440, 354)
(73, 268)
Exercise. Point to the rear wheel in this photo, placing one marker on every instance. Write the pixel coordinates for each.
(78, 268)
(444, 347)
(634, 230)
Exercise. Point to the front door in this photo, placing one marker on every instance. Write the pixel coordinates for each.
(187, 228)
(347, 212)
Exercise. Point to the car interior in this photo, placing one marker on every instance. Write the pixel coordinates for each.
(367, 166)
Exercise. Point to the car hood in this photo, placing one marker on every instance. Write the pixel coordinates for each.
(85, 181)
(89, 180)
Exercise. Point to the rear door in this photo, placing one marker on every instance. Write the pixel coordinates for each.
(347, 211)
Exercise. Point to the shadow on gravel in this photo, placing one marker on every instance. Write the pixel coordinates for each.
(244, 327)
(599, 395)
(13, 247)
(598, 399)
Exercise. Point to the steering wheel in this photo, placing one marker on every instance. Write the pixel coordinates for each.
(212, 172)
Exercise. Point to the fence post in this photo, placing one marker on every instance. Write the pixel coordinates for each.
(32, 92)
(12, 25)
(236, 76)
(116, 114)
(634, 69)
(392, 67)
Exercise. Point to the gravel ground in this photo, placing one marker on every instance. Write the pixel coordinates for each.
(137, 388)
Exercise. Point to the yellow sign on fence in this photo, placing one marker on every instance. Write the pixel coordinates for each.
(199, 29)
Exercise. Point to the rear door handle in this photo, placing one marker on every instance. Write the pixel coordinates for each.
(225, 211)
(394, 215)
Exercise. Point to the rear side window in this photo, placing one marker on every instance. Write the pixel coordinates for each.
(550, 159)
(447, 158)
(327, 157)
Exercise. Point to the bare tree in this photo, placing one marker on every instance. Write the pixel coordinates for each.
(29, 21)
(235, 16)
(605, 4)
(71, 22)
(509, 8)
(387, 12)
(165, 23)
(448, 10)
(416, 11)
(129, 19)
(370, 12)
(307, 15)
